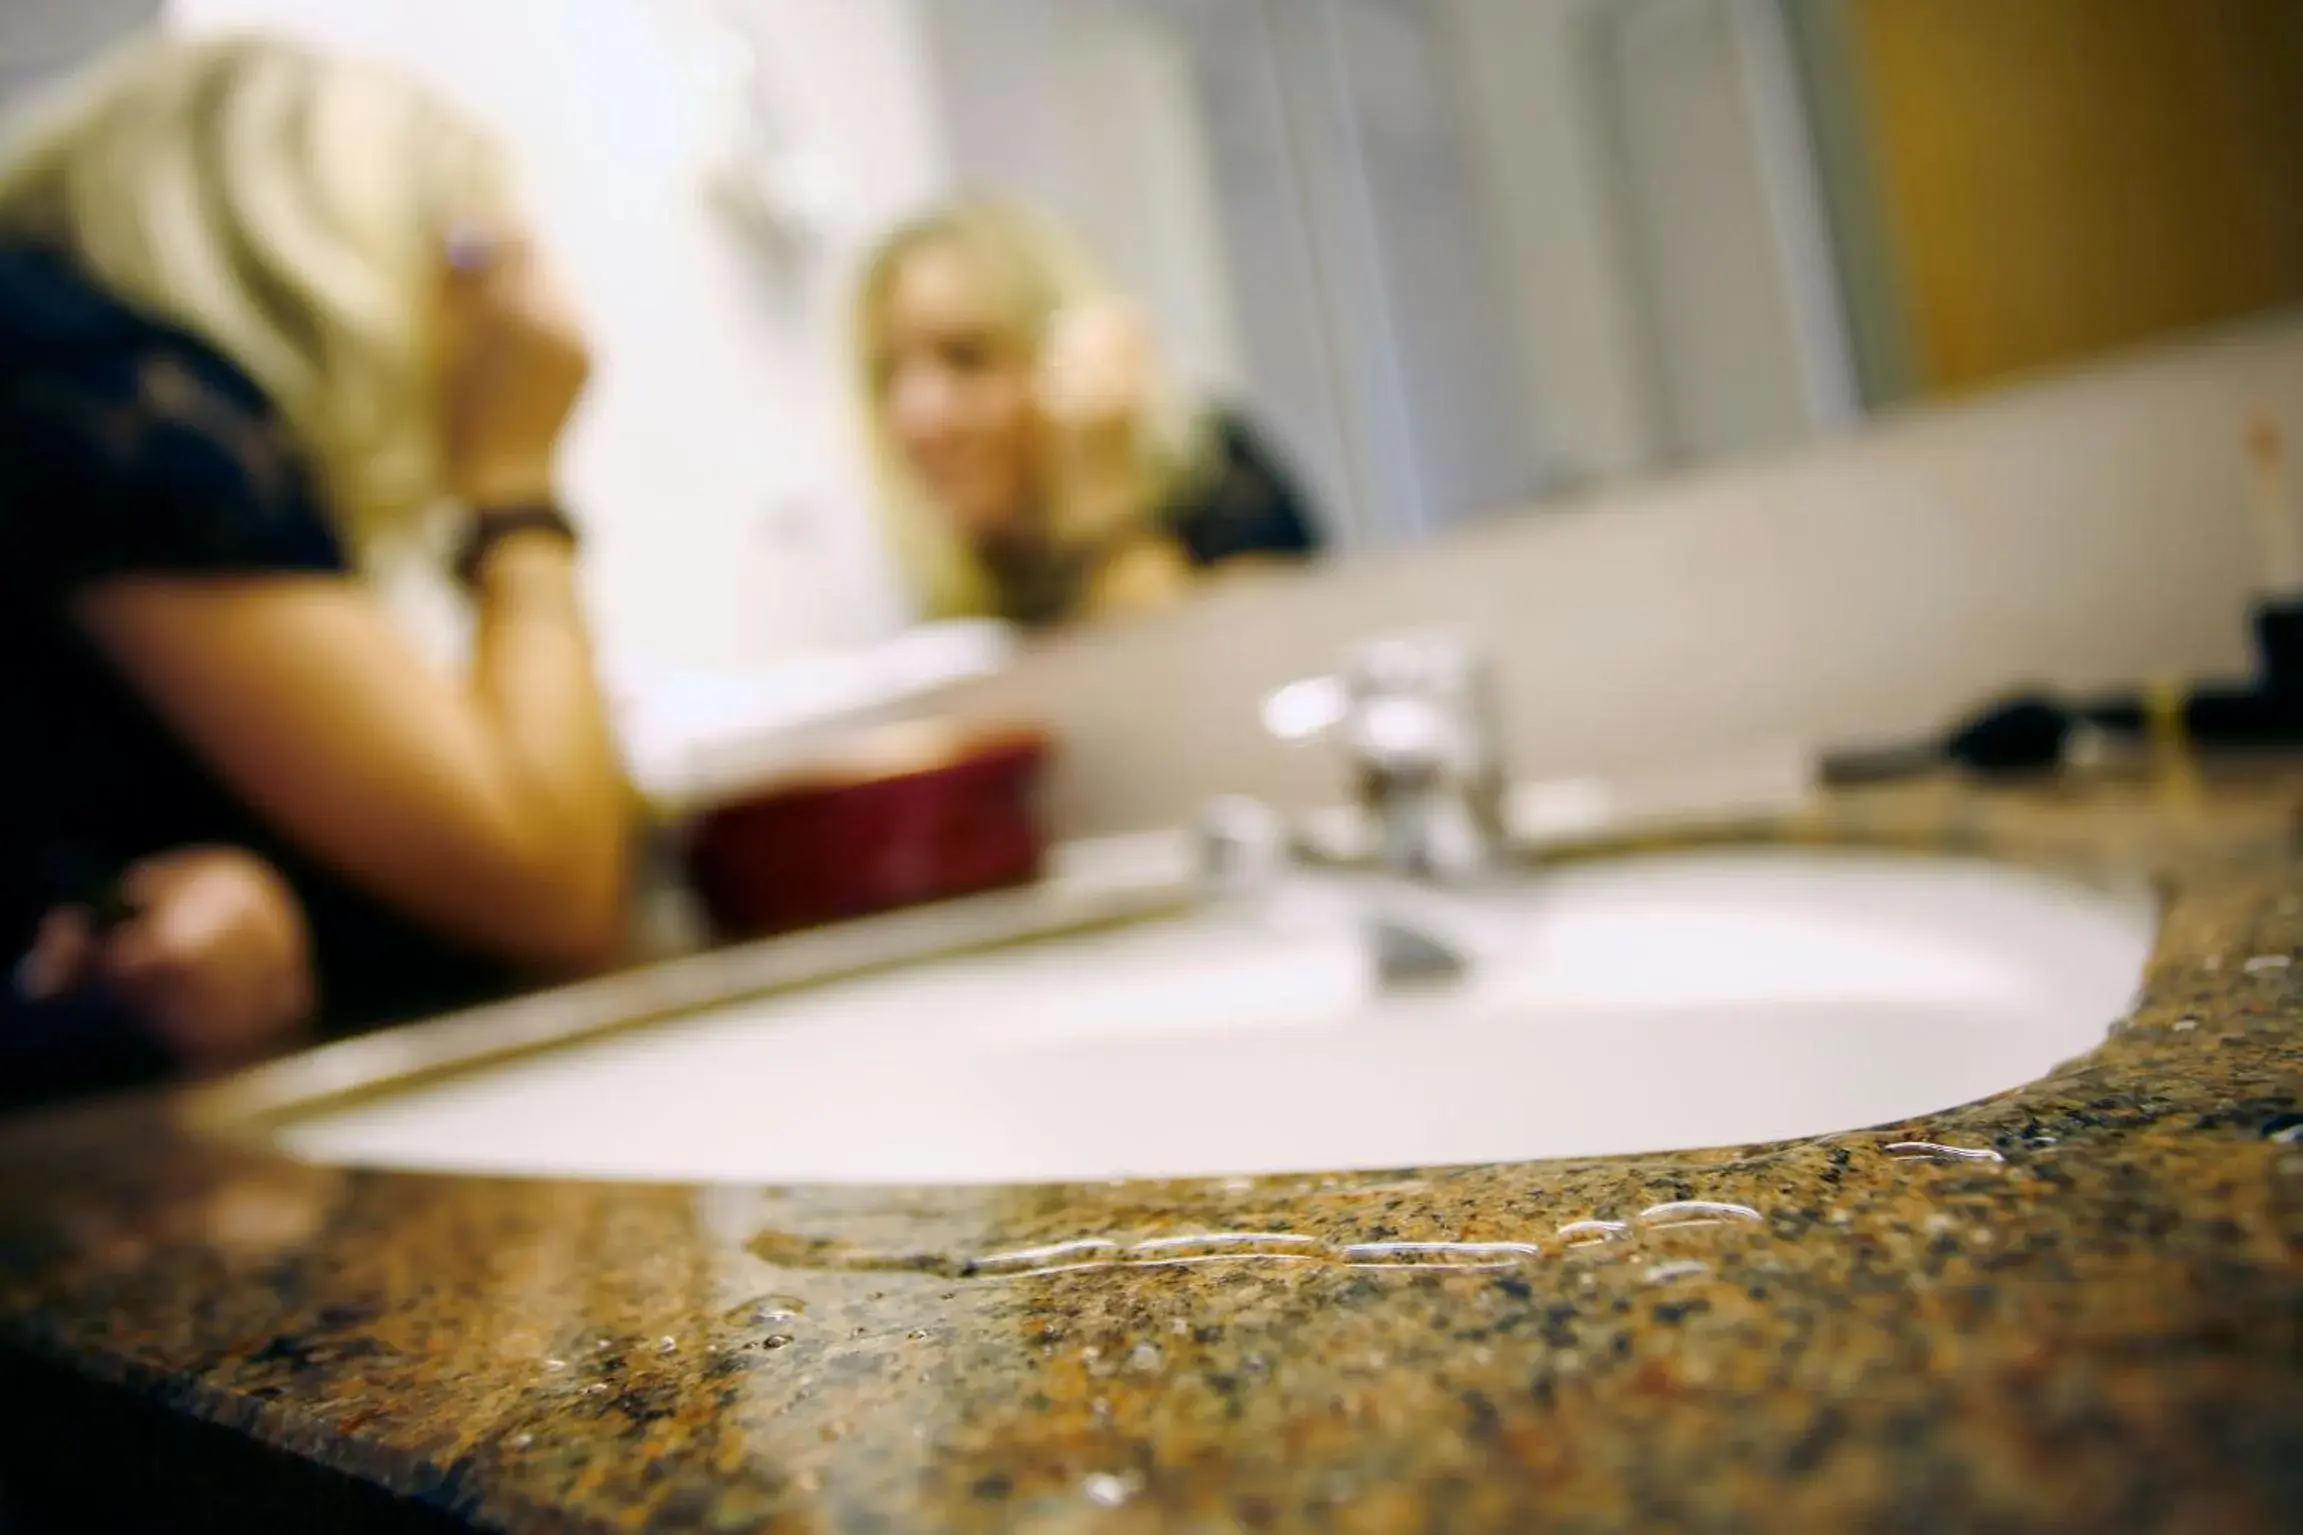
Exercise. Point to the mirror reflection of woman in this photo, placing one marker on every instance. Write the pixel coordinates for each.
(1035, 461)
(261, 311)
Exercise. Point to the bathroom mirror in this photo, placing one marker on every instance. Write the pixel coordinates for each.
(1462, 258)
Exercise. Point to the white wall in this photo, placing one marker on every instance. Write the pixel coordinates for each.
(40, 38)
(712, 463)
(1694, 196)
(1617, 153)
(1532, 115)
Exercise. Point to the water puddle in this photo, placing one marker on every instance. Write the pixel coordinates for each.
(1935, 1151)
(1696, 1212)
(1081, 1255)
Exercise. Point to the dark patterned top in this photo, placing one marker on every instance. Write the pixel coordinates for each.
(128, 448)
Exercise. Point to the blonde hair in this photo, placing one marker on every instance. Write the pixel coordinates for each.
(1036, 271)
(289, 210)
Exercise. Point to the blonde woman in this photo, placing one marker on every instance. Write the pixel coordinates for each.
(259, 310)
(1034, 464)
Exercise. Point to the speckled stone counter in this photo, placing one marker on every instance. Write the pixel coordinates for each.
(2078, 1305)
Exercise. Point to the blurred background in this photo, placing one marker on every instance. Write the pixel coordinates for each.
(1458, 259)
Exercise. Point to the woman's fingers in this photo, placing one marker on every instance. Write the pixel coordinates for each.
(516, 365)
(63, 958)
(1097, 366)
(218, 964)
(215, 960)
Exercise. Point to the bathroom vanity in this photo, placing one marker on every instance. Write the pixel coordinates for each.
(2071, 1304)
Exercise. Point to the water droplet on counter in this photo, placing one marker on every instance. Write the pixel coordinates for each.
(919, 1335)
(1442, 1255)
(762, 1310)
(1696, 1212)
(555, 1364)
(1668, 1273)
(667, 1345)
(1146, 1358)
(1592, 1233)
(1244, 1255)
(2185, 1025)
(1053, 1255)
(776, 1340)
(1105, 1490)
(1935, 1151)
(596, 1388)
(1090, 1254)
(2267, 964)
(1215, 1242)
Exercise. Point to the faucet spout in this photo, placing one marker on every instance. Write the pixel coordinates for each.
(1407, 958)
(1414, 714)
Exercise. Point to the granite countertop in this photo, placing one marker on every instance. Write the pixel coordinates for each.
(2077, 1305)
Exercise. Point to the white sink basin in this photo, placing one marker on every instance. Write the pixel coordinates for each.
(1639, 1004)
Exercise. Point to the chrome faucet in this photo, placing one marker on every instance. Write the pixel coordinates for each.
(1415, 715)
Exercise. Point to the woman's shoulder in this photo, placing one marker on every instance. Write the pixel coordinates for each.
(1243, 499)
(131, 445)
(61, 328)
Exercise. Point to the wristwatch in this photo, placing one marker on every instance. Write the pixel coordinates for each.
(495, 524)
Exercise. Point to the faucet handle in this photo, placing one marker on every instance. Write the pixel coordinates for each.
(1443, 665)
(1309, 710)
(1410, 702)
(1414, 714)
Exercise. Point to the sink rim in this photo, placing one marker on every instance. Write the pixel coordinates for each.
(253, 1106)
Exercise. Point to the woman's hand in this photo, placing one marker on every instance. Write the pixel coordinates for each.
(215, 961)
(516, 364)
(1099, 378)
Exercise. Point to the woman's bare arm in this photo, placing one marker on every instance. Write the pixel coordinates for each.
(493, 812)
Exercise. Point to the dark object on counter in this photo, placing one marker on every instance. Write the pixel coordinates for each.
(2279, 647)
(2035, 735)
(2022, 735)
(898, 816)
